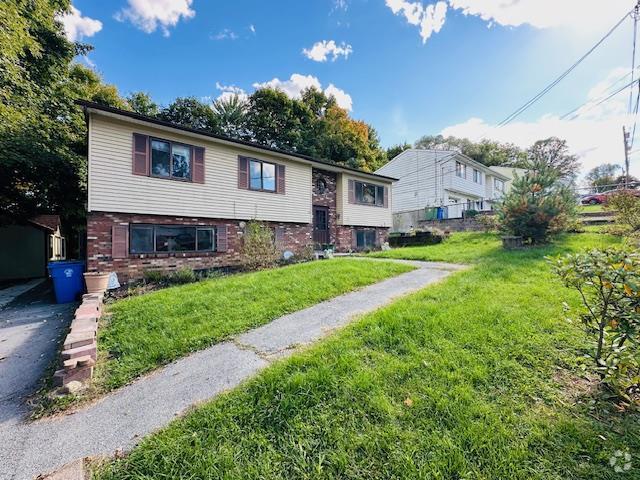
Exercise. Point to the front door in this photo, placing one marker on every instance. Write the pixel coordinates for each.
(320, 226)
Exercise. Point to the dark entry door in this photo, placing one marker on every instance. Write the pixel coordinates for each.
(320, 225)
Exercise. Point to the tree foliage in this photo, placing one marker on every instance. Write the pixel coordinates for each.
(395, 150)
(142, 103)
(554, 152)
(487, 152)
(42, 133)
(537, 205)
(190, 112)
(603, 177)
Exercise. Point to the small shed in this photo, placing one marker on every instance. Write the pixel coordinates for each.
(27, 247)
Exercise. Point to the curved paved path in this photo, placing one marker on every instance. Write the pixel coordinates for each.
(122, 418)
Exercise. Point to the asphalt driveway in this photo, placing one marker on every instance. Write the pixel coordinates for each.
(31, 326)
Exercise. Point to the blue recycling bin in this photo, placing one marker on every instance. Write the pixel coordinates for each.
(67, 279)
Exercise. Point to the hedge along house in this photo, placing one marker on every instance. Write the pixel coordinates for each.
(162, 196)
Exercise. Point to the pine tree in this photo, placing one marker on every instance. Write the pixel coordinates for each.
(537, 205)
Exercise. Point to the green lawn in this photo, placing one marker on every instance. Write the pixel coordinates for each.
(474, 378)
(151, 330)
(590, 208)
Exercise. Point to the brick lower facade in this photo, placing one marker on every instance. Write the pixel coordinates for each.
(99, 247)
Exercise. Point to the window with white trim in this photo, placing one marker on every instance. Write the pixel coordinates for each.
(461, 170)
(144, 238)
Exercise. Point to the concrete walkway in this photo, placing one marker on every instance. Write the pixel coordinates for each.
(122, 418)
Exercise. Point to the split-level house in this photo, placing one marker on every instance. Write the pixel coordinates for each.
(437, 178)
(162, 196)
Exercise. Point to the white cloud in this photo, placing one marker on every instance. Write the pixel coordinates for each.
(343, 99)
(252, 27)
(148, 15)
(77, 27)
(320, 51)
(430, 19)
(340, 5)
(546, 13)
(228, 91)
(297, 83)
(574, 14)
(225, 34)
(595, 136)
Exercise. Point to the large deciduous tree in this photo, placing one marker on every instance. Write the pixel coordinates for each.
(42, 132)
(554, 152)
(190, 112)
(603, 177)
(487, 152)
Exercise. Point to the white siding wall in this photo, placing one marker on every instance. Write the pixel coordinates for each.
(427, 178)
(113, 187)
(361, 215)
(416, 185)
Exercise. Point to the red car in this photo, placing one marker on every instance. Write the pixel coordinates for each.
(600, 198)
(594, 199)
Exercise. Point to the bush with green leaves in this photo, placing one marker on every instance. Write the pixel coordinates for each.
(259, 249)
(627, 207)
(538, 205)
(609, 285)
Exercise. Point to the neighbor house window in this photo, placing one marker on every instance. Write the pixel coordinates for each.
(477, 176)
(170, 160)
(170, 238)
(498, 185)
(369, 194)
(262, 176)
(365, 239)
(461, 170)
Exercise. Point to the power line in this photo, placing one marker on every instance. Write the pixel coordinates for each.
(605, 99)
(606, 90)
(544, 91)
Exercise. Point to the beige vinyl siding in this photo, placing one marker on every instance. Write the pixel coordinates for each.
(361, 215)
(114, 188)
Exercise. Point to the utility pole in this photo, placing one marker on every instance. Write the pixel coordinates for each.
(625, 138)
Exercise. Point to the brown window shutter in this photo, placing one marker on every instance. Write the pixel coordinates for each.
(279, 237)
(221, 238)
(354, 238)
(352, 191)
(198, 165)
(243, 173)
(119, 241)
(140, 154)
(386, 197)
(280, 179)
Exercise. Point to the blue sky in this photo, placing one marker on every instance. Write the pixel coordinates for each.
(406, 67)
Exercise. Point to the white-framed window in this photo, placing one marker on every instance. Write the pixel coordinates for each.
(461, 170)
(498, 185)
(477, 176)
(146, 238)
(369, 194)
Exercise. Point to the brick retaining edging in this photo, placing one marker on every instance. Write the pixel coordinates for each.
(79, 351)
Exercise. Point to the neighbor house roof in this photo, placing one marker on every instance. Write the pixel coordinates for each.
(447, 155)
(48, 222)
(90, 107)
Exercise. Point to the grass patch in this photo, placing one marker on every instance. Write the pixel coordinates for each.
(154, 329)
(473, 378)
(467, 247)
(591, 208)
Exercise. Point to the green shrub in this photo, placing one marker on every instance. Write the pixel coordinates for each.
(183, 275)
(470, 213)
(259, 250)
(627, 208)
(490, 223)
(538, 205)
(609, 284)
(155, 276)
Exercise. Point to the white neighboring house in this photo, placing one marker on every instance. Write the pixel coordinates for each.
(441, 178)
(511, 173)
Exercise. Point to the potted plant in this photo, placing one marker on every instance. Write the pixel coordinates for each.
(97, 282)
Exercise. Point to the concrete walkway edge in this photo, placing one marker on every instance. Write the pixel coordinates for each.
(122, 418)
